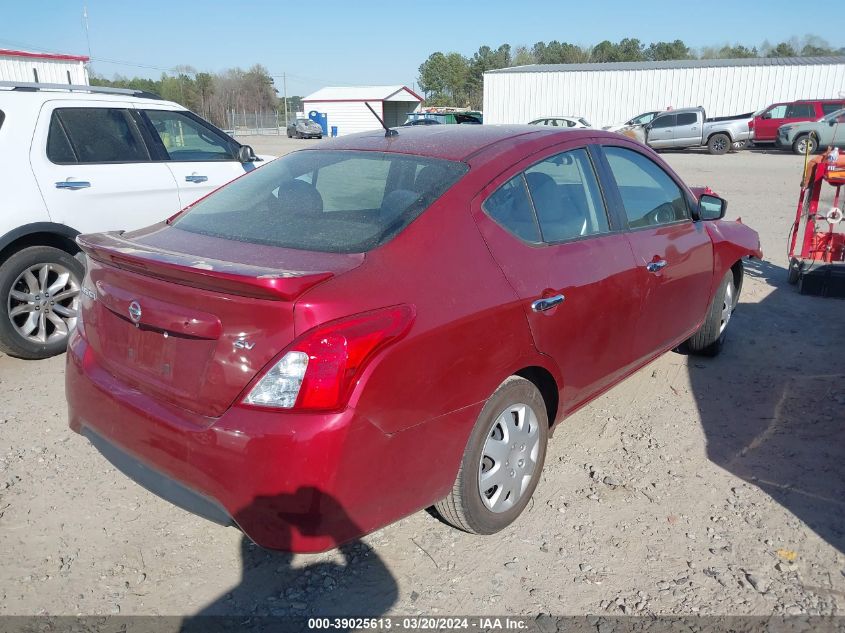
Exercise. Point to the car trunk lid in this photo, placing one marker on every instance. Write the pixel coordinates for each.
(191, 330)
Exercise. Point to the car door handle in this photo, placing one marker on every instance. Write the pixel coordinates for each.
(73, 184)
(547, 303)
(196, 178)
(655, 267)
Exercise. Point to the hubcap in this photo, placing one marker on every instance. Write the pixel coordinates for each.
(43, 303)
(719, 145)
(509, 458)
(727, 307)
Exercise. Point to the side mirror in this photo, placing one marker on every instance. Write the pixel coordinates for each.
(832, 122)
(711, 207)
(766, 115)
(246, 155)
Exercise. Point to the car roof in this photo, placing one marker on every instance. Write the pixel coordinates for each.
(51, 94)
(450, 142)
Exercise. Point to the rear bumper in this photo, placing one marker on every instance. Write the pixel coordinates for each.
(296, 482)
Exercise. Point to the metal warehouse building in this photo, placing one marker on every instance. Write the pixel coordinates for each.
(345, 107)
(48, 68)
(614, 92)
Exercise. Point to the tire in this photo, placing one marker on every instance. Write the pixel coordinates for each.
(794, 272)
(288, 133)
(516, 404)
(298, 135)
(719, 144)
(39, 327)
(710, 337)
(798, 146)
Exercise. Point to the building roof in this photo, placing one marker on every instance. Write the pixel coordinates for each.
(671, 64)
(363, 93)
(48, 56)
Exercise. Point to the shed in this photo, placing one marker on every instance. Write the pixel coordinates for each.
(345, 106)
(607, 93)
(47, 68)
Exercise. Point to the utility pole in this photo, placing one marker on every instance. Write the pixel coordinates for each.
(285, 87)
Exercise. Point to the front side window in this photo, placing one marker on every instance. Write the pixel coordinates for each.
(649, 195)
(800, 111)
(511, 209)
(326, 201)
(94, 135)
(188, 140)
(777, 112)
(663, 121)
(566, 197)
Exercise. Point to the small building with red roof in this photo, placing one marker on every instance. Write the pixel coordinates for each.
(45, 68)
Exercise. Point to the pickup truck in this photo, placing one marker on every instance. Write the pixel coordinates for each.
(690, 127)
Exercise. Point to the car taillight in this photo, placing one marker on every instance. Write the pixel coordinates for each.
(319, 369)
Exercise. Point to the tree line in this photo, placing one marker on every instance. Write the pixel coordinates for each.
(455, 79)
(212, 95)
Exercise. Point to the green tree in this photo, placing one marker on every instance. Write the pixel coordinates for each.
(660, 51)
(784, 49)
(523, 56)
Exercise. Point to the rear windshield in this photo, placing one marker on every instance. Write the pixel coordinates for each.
(327, 201)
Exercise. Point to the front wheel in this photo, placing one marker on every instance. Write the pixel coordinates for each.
(719, 144)
(502, 461)
(710, 337)
(804, 144)
(39, 290)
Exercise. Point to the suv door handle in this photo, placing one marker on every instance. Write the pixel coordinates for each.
(655, 267)
(73, 184)
(547, 303)
(196, 178)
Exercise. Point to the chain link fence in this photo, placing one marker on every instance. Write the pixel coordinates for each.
(251, 123)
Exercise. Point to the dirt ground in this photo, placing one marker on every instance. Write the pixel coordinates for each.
(696, 487)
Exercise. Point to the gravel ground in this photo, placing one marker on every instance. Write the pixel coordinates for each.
(695, 487)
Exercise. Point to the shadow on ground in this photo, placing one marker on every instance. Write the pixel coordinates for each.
(351, 581)
(773, 404)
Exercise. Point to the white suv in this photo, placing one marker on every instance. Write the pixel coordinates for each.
(81, 159)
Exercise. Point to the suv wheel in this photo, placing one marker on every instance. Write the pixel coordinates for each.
(719, 144)
(804, 144)
(39, 301)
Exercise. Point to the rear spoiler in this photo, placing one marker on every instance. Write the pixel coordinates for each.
(189, 270)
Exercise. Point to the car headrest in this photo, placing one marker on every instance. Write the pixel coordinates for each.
(299, 197)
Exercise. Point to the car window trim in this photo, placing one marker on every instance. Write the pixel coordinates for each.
(614, 187)
(130, 122)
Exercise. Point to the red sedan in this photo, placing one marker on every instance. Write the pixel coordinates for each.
(366, 328)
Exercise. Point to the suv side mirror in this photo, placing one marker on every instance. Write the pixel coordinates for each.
(766, 115)
(711, 207)
(246, 155)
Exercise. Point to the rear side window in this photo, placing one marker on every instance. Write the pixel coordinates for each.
(511, 209)
(94, 135)
(649, 195)
(327, 201)
(800, 111)
(687, 118)
(827, 108)
(566, 197)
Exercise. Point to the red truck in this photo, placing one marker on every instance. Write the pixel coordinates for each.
(764, 126)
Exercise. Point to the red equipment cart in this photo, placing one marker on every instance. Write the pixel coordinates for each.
(817, 264)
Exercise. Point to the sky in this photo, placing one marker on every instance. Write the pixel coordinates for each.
(364, 42)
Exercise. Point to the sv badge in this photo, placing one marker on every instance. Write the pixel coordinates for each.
(242, 343)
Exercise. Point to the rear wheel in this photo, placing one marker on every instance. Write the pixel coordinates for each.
(502, 460)
(719, 144)
(710, 337)
(39, 290)
(804, 144)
